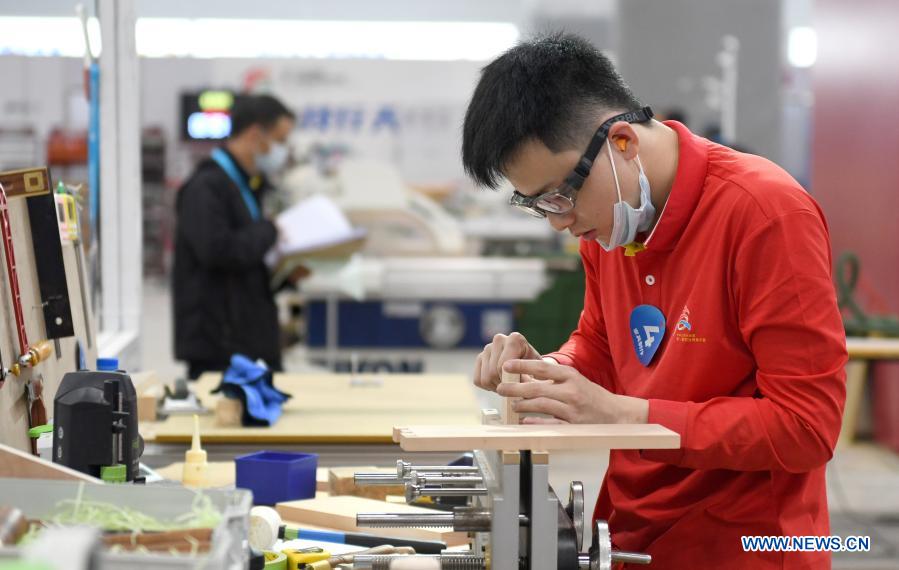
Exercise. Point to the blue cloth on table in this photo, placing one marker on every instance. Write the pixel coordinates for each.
(252, 384)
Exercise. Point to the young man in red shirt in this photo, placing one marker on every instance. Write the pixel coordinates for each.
(709, 309)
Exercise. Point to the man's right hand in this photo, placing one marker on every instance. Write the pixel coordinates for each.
(489, 364)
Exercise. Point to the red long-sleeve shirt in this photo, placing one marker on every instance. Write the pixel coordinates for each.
(750, 372)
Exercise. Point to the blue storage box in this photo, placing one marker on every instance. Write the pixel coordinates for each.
(276, 476)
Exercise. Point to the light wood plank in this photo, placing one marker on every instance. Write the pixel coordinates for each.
(21, 465)
(340, 513)
(536, 437)
(329, 408)
(873, 348)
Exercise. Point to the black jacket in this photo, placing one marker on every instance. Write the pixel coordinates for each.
(223, 302)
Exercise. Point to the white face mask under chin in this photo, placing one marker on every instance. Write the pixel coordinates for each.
(627, 220)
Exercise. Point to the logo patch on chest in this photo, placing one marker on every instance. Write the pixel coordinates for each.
(683, 331)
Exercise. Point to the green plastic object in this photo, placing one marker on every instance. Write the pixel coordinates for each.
(856, 321)
(113, 473)
(36, 431)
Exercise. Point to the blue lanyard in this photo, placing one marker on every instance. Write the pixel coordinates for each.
(224, 160)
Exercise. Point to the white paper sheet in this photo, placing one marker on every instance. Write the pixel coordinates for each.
(312, 224)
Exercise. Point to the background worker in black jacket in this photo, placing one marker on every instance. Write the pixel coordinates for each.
(223, 302)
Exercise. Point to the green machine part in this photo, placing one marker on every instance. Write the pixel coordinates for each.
(549, 320)
(114, 473)
(855, 320)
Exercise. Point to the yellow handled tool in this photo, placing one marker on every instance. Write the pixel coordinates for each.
(298, 559)
(35, 354)
(275, 560)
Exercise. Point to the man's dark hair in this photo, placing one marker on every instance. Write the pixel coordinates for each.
(553, 88)
(263, 110)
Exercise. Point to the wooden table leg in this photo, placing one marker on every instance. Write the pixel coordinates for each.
(856, 374)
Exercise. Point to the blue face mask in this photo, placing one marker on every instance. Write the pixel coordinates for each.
(627, 221)
(274, 160)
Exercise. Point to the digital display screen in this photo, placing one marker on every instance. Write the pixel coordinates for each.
(206, 115)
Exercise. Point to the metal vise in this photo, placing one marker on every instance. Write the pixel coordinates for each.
(514, 517)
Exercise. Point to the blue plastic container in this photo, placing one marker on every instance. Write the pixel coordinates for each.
(276, 476)
(108, 364)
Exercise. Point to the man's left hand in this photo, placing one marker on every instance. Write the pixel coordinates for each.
(567, 396)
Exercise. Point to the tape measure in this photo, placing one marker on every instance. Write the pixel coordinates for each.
(298, 559)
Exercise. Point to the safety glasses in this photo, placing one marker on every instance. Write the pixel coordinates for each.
(561, 200)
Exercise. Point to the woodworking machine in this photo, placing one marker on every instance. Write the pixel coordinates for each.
(515, 519)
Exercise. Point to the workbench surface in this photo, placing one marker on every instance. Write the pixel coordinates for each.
(872, 348)
(329, 408)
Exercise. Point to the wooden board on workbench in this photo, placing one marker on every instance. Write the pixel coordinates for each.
(23, 465)
(535, 437)
(330, 408)
(872, 348)
(340, 513)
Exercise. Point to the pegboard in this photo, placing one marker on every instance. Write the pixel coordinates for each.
(13, 404)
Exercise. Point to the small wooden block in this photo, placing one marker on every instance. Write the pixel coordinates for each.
(341, 482)
(228, 412)
(150, 389)
(511, 458)
(491, 417)
(539, 458)
(321, 479)
(510, 416)
(146, 408)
